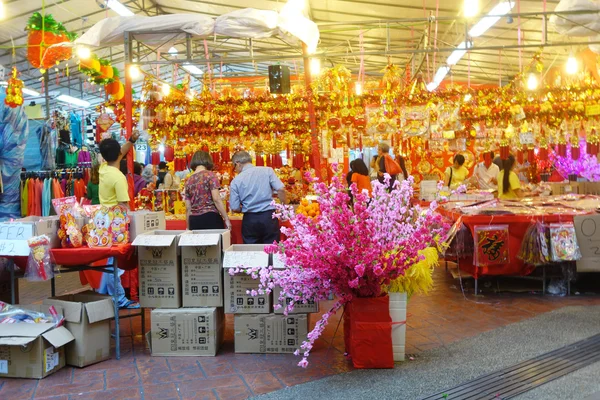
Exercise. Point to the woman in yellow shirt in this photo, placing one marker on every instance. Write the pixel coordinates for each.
(457, 173)
(509, 186)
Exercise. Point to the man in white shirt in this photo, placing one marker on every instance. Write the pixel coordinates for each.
(486, 173)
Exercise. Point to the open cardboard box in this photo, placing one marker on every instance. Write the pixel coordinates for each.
(32, 350)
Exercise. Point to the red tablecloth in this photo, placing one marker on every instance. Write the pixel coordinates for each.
(236, 229)
(95, 257)
(517, 226)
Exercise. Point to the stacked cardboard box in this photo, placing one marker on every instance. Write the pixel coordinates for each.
(256, 328)
(181, 277)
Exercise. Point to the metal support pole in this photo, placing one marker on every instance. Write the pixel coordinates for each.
(129, 115)
(188, 47)
(314, 135)
(53, 287)
(116, 306)
(46, 94)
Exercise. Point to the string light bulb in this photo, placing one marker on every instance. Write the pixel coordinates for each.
(468, 97)
(134, 72)
(532, 82)
(166, 89)
(83, 53)
(572, 65)
(358, 88)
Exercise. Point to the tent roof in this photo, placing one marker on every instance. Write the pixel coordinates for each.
(342, 24)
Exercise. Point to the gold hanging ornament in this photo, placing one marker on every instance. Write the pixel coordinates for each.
(14, 90)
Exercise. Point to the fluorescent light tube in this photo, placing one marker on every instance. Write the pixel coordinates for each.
(31, 92)
(72, 100)
(192, 69)
(487, 22)
(457, 54)
(119, 8)
(441, 74)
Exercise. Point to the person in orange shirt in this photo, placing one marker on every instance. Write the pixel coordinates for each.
(360, 176)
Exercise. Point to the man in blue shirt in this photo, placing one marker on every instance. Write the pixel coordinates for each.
(251, 192)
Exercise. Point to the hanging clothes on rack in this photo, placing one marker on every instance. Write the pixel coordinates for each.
(76, 136)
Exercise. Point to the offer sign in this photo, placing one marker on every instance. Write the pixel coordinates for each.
(13, 239)
(491, 245)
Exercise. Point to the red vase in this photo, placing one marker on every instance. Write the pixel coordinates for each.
(368, 332)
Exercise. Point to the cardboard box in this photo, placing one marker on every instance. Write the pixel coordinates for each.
(566, 188)
(186, 331)
(269, 333)
(14, 235)
(32, 350)
(145, 221)
(88, 317)
(159, 269)
(311, 306)
(201, 264)
(236, 299)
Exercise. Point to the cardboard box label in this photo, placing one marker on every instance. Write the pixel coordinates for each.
(269, 333)
(239, 299)
(3, 366)
(51, 359)
(245, 258)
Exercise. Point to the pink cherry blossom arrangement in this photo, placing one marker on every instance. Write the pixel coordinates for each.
(351, 249)
(586, 165)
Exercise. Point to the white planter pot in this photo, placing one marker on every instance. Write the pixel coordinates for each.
(398, 302)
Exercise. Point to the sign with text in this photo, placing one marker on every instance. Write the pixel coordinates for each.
(13, 239)
(587, 230)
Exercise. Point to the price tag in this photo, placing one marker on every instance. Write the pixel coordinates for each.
(526, 138)
(141, 147)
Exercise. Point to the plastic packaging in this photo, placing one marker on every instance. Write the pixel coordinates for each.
(10, 314)
(39, 266)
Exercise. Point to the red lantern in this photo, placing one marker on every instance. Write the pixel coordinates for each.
(169, 153)
(561, 149)
(520, 156)
(543, 154)
(360, 123)
(155, 158)
(504, 151)
(575, 153)
(334, 123)
(530, 155)
(348, 120)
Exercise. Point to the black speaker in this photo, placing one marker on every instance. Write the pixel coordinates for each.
(279, 79)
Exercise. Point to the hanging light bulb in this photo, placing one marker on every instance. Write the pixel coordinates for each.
(572, 65)
(470, 8)
(83, 53)
(191, 94)
(358, 88)
(532, 82)
(166, 89)
(134, 72)
(315, 66)
(161, 148)
(468, 97)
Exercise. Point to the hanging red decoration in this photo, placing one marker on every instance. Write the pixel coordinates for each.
(14, 90)
(520, 156)
(575, 153)
(155, 158)
(561, 149)
(504, 151)
(169, 153)
(334, 123)
(531, 155)
(543, 154)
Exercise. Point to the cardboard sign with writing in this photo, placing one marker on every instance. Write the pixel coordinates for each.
(587, 230)
(13, 239)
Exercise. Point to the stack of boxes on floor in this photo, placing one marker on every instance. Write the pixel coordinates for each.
(184, 278)
(256, 328)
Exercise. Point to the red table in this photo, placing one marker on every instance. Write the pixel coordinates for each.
(92, 262)
(518, 225)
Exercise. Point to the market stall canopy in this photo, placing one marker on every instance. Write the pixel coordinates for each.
(586, 24)
(244, 23)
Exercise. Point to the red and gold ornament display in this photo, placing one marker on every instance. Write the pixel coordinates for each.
(14, 90)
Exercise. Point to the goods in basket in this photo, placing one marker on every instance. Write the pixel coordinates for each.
(563, 242)
(10, 314)
(39, 267)
(491, 245)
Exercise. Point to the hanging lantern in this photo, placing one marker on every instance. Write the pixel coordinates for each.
(155, 158)
(575, 152)
(360, 123)
(561, 149)
(520, 156)
(14, 90)
(334, 123)
(531, 155)
(45, 31)
(169, 153)
(504, 150)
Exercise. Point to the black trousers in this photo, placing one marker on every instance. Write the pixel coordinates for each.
(260, 228)
(209, 220)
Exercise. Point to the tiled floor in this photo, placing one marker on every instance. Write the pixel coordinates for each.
(435, 320)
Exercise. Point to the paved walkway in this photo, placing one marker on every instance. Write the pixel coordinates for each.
(435, 321)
